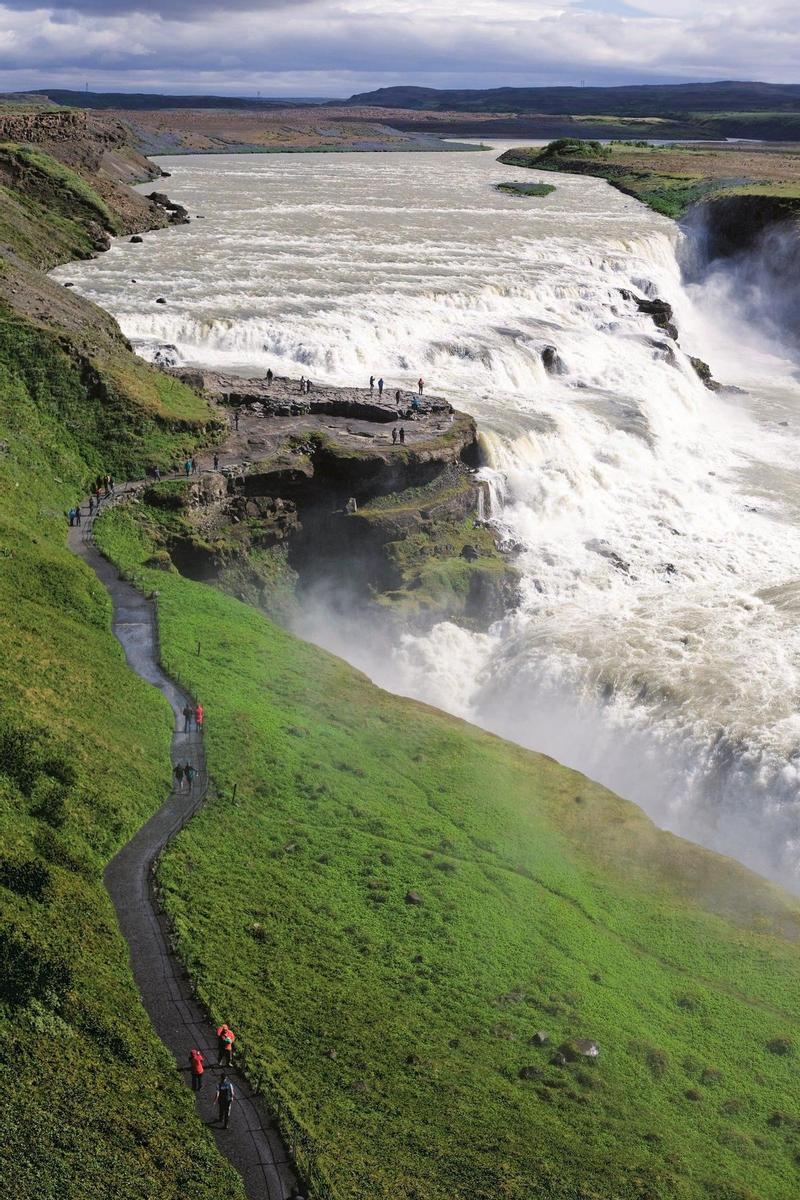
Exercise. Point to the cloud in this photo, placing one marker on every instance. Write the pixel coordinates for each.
(336, 47)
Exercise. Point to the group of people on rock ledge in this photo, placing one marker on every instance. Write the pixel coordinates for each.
(398, 396)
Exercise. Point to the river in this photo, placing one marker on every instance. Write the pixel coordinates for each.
(657, 645)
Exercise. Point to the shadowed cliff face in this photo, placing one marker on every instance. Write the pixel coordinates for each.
(752, 243)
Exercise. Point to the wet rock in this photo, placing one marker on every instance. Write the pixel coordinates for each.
(73, 285)
(703, 371)
(413, 897)
(137, 239)
(166, 356)
(160, 300)
(659, 310)
(604, 550)
(552, 361)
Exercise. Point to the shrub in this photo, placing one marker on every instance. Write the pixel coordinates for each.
(25, 876)
(29, 972)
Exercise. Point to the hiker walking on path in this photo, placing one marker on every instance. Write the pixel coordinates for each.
(187, 466)
(402, 436)
(196, 1066)
(302, 383)
(236, 420)
(397, 397)
(194, 465)
(179, 773)
(216, 461)
(198, 716)
(380, 386)
(189, 772)
(225, 1040)
(269, 376)
(188, 717)
(394, 437)
(421, 385)
(224, 1099)
(77, 514)
(91, 503)
(372, 383)
(157, 474)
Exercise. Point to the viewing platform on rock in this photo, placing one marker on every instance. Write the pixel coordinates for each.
(354, 420)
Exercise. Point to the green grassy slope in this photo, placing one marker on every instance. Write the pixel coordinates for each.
(92, 1104)
(393, 1034)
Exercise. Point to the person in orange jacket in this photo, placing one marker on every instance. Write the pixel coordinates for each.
(198, 715)
(196, 1066)
(225, 1040)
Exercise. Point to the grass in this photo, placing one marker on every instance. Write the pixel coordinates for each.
(526, 189)
(94, 1105)
(390, 1034)
(649, 172)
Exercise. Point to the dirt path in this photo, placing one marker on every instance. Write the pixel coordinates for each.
(252, 1142)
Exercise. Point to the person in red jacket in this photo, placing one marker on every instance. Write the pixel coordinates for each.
(225, 1040)
(196, 1066)
(198, 715)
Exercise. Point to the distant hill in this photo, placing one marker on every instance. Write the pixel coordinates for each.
(645, 100)
(142, 101)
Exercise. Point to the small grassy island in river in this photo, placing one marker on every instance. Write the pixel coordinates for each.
(526, 189)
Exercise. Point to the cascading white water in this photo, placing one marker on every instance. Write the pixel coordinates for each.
(656, 645)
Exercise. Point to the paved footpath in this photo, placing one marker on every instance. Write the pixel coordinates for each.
(252, 1142)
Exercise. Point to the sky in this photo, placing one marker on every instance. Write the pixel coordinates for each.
(338, 47)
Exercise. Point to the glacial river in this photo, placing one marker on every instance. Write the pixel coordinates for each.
(657, 646)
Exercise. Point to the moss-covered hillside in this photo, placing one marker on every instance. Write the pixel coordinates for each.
(92, 1106)
(395, 904)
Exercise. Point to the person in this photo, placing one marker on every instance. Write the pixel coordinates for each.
(111, 483)
(225, 1040)
(70, 515)
(372, 383)
(188, 716)
(216, 461)
(91, 503)
(179, 777)
(380, 386)
(196, 1066)
(236, 419)
(415, 404)
(394, 436)
(198, 715)
(194, 465)
(397, 397)
(421, 385)
(269, 376)
(402, 435)
(106, 484)
(77, 514)
(97, 496)
(308, 386)
(157, 473)
(224, 1099)
(187, 466)
(302, 383)
(189, 772)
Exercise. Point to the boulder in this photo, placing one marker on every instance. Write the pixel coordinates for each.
(137, 239)
(703, 371)
(552, 361)
(161, 300)
(578, 1048)
(530, 1072)
(470, 553)
(539, 1038)
(413, 897)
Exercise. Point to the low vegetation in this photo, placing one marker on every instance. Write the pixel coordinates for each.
(526, 189)
(93, 1105)
(394, 905)
(669, 179)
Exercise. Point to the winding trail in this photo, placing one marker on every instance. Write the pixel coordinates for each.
(252, 1143)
